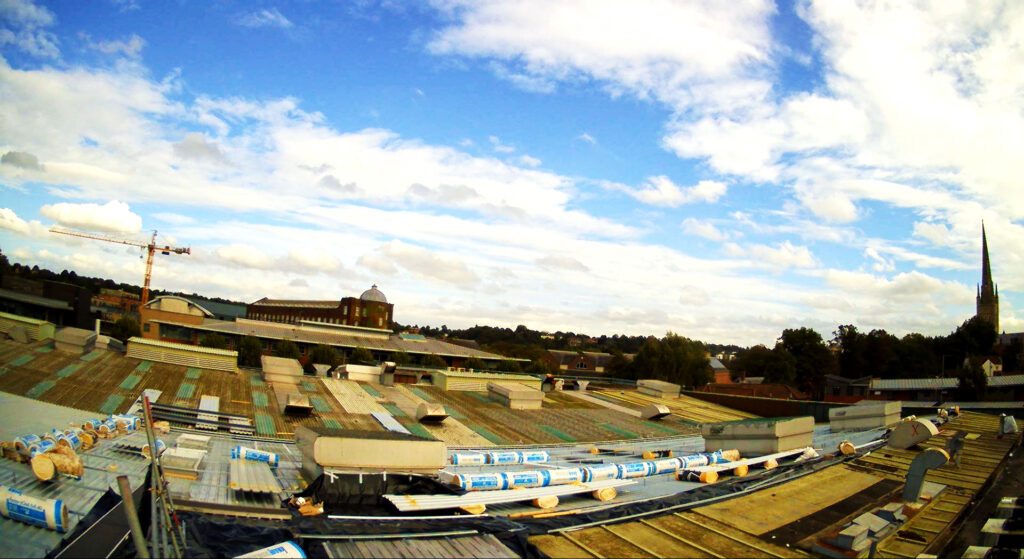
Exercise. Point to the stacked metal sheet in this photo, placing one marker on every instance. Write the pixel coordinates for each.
(406, 503)
(255, 477)
(389, 422)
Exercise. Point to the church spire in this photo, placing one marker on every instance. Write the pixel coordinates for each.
(986, 269)
(988, 294)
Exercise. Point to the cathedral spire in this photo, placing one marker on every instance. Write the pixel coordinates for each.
(988, 294)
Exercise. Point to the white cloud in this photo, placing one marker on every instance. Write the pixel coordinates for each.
(171, 217)
(130, 46)
(246, 256)
(498, 146)
(661, 191)
(21, 159)
(782, 255)
(658, 49)
(311, 259)
(10, 221)
(586, 138)
(196, 146)
(429, 264)
(528, 161)
(114, 216)
(703, 228)
(23, 25)
(557, 262)
(264, 18)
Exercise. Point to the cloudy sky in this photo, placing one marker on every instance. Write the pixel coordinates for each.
(723, 170)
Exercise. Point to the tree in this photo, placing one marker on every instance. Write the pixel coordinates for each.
(401, 357)
(434, 361)
(539, 367)
(851, 351)
(674, 359)
(775, 365)
(361, 355)
(475, 363)
(287, 349)
(972, 385)
(250, 349)
(813, 359)
(509, 366)
(619, 366)
(124, 328)
(324, 354)
(213, 340)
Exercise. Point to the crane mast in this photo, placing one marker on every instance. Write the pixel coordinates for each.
(151, 247)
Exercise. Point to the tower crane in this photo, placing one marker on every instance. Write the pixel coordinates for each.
(151, 247)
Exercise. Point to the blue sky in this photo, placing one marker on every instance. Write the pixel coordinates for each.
(720, 170)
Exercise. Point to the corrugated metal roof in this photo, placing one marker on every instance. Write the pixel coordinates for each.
(277, 331)
(183, 347)
(913, 383)
(34, 300)
(469, 547)
(939, 383)
(102, 464)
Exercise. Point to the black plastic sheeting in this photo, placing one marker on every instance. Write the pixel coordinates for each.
(211, 536)
(215, 536)
(355, 494)
(101, 532)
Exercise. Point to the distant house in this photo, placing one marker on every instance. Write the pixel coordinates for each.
(1004, 388)
(722, 374)
(771, 390)
(846, 390)
(579, 362)
(991, 365)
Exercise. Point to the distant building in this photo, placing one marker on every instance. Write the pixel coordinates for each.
(991, 366)
(579, 362)
(1000, 388)
(115, 303)
(63, 304)
(721, 372)
(988, 292)
(772, 390)
(846, 390)
(371, 310)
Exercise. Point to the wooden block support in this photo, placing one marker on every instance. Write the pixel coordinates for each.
(605, 495)
(546, 502)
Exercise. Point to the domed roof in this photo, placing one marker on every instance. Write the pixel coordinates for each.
(373, 294)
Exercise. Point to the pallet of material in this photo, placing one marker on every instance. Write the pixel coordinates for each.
(255, 477)
(182, 462)
(235, 423)
(211, 404)
(406, 503)
(196, 442)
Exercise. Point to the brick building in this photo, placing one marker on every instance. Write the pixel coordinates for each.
(371, 310)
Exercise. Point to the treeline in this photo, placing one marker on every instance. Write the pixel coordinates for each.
(801, 358)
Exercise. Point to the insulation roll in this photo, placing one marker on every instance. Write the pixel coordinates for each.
(288, 549)
(722, 456)
(75, 430)
(87, 440)
(769, 464)
(634, 469)
(481, 482)
(92, 424)
(546, 502)
(108, 427)
(693, 461)
(160, 448)
(465, 459)
(48, 513)
(606, 494)
(255, 455)
(509, 457)
(126, 422)
(22, 443)
(41, 447)
(52, 435)
(62, 460)
(522, 480)
(847, 448)
(741, 470)
(535, 456)
(564, 476)
(652, 454)
(697, 477)
(666, 466)
(72, 441)
(601, 473)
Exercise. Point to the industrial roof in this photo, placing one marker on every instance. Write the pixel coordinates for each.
(309, 304)
(296, 333)
(373, 294)
(791, 519)
(939, 383)
(183, 347)
(34, 299)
